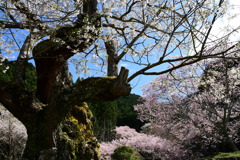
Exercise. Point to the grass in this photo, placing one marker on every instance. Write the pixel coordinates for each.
(222, 155)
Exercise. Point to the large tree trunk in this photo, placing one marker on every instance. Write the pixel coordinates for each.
(43, 120)
(227, 140)
(73, 139)
(43, 111)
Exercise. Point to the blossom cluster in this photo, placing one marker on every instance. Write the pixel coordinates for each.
(145, 144)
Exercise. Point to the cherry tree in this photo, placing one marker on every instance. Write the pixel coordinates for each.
(192, 103)
(147, 33)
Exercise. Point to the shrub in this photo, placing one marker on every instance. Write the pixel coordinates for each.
(126, 153)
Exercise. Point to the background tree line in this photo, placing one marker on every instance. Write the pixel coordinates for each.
(120, 112)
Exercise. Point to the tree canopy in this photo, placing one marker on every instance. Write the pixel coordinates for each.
(148, 33)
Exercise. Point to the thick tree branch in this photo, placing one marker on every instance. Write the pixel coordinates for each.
(5, 24)
(22, 60)
(112, 58)
(99, 89)
(21, 103)
(50, 55)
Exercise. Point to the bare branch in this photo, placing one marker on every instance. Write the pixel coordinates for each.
(188, 60)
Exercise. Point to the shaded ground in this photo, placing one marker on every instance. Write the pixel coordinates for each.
(225, 156)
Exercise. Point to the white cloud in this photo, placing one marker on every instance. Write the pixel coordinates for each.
(229, 22)
(124, 65)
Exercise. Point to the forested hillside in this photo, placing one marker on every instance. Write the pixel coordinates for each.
(108, 115)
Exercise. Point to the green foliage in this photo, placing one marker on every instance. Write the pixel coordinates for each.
(105, 119)
(126, 153)
(120, 112)
(108, 115)
(127, 116)
(30, 82)
(7, 70)
(221, 155)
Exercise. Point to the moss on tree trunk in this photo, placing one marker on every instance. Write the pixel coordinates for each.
(76, 140)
